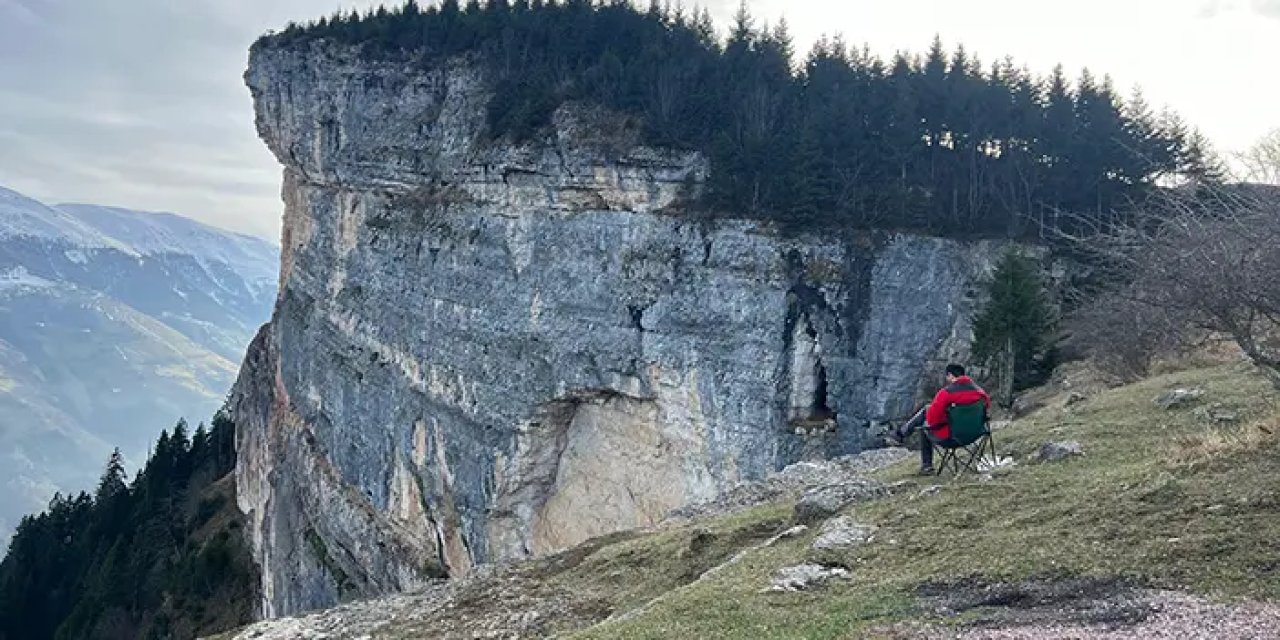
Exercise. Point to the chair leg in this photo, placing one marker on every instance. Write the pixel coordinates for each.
(948, 456)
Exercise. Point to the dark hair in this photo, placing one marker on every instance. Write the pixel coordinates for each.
(956, 370)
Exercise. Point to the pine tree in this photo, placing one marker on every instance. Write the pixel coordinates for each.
(1012, 333)
(113, 481)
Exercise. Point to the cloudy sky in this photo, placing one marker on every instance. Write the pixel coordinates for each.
(139, 103)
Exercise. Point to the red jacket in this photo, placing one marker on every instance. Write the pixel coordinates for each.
(962, 391)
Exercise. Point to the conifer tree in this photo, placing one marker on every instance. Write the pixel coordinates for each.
(1012, 333)
(113, 478)
(933, 143)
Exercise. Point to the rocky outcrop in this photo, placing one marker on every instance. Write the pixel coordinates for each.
(484, 351)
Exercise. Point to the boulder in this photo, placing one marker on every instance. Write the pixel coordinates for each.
(1216, 414)
(1177, 398)
(804, 576)
(842, 533)
(1054, 451)
(1025, 404)
(823, 502)
(837, 537)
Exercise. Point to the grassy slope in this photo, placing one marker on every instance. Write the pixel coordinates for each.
(1156, 499)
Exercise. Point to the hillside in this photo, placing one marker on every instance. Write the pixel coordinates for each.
(161, 556)
(113, 323)
(1161, 527)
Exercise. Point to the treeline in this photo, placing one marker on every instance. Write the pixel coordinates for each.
(938, 142)
(161, 557)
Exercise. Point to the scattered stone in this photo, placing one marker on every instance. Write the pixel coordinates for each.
(804, 576)
(843, 533)
(1178, 398)
(1073, 399)
(793, 532)
(1055, 451)
(928, 491)
(1216, 414)
(1025, 404)
(823, 502)
(836, 538)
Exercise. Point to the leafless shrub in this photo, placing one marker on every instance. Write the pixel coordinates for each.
(1123, 336)
(1188, 264)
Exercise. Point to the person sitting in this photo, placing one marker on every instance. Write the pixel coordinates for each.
(960, 389)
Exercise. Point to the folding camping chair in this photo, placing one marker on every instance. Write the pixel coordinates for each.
(970, 439)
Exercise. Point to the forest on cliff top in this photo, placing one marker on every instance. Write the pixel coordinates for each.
(939, 142)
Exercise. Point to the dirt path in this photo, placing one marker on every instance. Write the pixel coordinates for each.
(1085, 609)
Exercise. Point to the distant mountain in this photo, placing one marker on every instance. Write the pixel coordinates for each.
(113, 324)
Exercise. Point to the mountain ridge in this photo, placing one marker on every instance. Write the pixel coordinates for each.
(113, 324)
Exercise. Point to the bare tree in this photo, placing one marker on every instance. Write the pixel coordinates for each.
(1261, 163)
(1195, 262)
(1124, 334)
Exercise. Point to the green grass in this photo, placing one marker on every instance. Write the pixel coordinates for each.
(1133, 507)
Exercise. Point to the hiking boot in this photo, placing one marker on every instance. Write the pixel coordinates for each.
(896, 437)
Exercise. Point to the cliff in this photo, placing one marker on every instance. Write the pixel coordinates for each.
(484, 351)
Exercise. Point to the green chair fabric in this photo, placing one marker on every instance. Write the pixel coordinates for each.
(970, 442)
(968, 422)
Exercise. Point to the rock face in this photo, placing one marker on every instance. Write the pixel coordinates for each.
(485, 351)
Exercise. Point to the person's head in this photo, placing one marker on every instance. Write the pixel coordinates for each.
(954, 371)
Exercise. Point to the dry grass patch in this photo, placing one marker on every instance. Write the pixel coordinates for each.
(1216, 443)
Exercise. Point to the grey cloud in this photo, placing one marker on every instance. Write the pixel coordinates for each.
(1269, 8)
(1213, 8)
(139, 103)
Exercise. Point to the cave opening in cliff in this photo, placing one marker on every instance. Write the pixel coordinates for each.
(820, 411)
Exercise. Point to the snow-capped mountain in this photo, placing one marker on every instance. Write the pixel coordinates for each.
(113, 324)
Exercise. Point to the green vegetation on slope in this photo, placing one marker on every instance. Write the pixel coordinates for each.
(1159, 499)
(161, 557)
(940, 142)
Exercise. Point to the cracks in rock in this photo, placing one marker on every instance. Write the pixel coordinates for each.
(637, 316)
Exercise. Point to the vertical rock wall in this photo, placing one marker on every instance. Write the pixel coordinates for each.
(483, 351)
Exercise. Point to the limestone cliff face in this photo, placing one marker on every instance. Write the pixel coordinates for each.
(484, 351)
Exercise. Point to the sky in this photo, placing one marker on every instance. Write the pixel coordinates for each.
(140, 103)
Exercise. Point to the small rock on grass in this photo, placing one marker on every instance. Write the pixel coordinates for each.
(1054, 451)
(823, 502)
(928, 491)
(803, 577)
(1216, 414)
(837, 538)
(842, 533)
(1177, 398)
